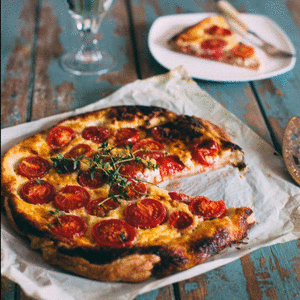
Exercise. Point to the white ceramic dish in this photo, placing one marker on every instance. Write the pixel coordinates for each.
(167, 26)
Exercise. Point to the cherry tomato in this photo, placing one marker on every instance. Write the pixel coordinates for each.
(78, 150)
(133, 170)
(113, 233)
(60, 136)
(213, 44)
(243, 51)
(206, 208)
(148, 149)
(126, 136)
(96, 134)
(71, 197)
(34, 167)
(180, 197)
(69, 226)
(38, 192)
(147, 213)
(169, 165)
(164, 133)
(85, 179)
(135, 189)
(180, 220)
(216, 30)
(99, 208)
(203, 149)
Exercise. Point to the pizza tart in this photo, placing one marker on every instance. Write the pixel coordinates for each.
(85, 193)
(213, 39)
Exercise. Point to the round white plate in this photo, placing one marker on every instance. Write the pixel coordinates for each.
(165, 27)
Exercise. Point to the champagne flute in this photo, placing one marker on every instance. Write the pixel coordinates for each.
(88, 59)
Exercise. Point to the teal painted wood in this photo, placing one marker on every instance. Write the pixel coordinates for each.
(17, 40)
(57, 90)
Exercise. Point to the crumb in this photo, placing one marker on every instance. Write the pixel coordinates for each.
(270, 175)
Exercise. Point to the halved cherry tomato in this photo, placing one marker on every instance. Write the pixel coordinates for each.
(203, 149)
(243, 51)
(113, 233)
(216, 30)
(180, 197)
(148, 149)
(206, 208)
(60, 136)
(96, 134)
(99, 209)
(126, 136)
(78, 150)
(133, 170)
(180, 220)
(34, 167)
(213, 44)
(169, 165)
(147, 213)
(69, 226)
(164, 133)
(135, 189)
(85, 179)
(38, 192)
(71, 197)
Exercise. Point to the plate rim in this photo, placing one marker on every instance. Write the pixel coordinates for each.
(258, 76)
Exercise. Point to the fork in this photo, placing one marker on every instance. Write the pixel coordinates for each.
(229, 11)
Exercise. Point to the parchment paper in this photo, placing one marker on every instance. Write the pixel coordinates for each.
(266, 189)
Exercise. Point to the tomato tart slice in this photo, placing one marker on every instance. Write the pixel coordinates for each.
(213, 39)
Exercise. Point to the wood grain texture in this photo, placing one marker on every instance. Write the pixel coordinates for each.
(16, 48)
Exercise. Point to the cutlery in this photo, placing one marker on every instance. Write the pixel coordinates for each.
(228, 10)
(291, 148)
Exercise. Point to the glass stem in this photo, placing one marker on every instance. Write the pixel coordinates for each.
(89, 51)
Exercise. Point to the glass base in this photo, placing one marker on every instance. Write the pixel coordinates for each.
(96, 64)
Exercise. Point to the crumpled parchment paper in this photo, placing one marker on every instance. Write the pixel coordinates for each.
(266, 189)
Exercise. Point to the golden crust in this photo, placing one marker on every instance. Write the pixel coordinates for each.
(151, 250)
(189, 40)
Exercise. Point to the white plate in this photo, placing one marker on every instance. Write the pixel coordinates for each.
(165, 27)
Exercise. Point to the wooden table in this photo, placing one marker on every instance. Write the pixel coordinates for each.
(35, 33)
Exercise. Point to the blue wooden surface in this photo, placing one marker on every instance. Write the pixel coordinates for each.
(35, 33)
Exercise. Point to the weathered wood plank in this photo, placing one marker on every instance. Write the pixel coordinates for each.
(16, 55)
(56, 90)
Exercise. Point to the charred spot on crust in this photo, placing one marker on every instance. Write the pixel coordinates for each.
(129, 113)
(210, 246)
(189, 126)
(173, 257)
(231, 146)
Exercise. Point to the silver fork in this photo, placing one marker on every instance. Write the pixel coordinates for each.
(228, 10)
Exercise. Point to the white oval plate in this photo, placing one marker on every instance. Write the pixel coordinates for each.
(167, 26)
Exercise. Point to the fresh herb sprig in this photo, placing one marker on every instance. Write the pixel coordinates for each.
(108, 163)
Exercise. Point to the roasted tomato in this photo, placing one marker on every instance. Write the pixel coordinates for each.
(69, 226)
(147, 213)
(60, 136)
(206, 208)
(113, 233)
(203, 149)
(38, 192)
(126, 136)
(96, 134)
(71, 197)
(147, 149)
(34, 167)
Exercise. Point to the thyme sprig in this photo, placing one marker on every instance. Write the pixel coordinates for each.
(109, 164)
(56, 213)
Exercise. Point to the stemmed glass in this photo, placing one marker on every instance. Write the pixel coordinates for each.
(88, 59)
